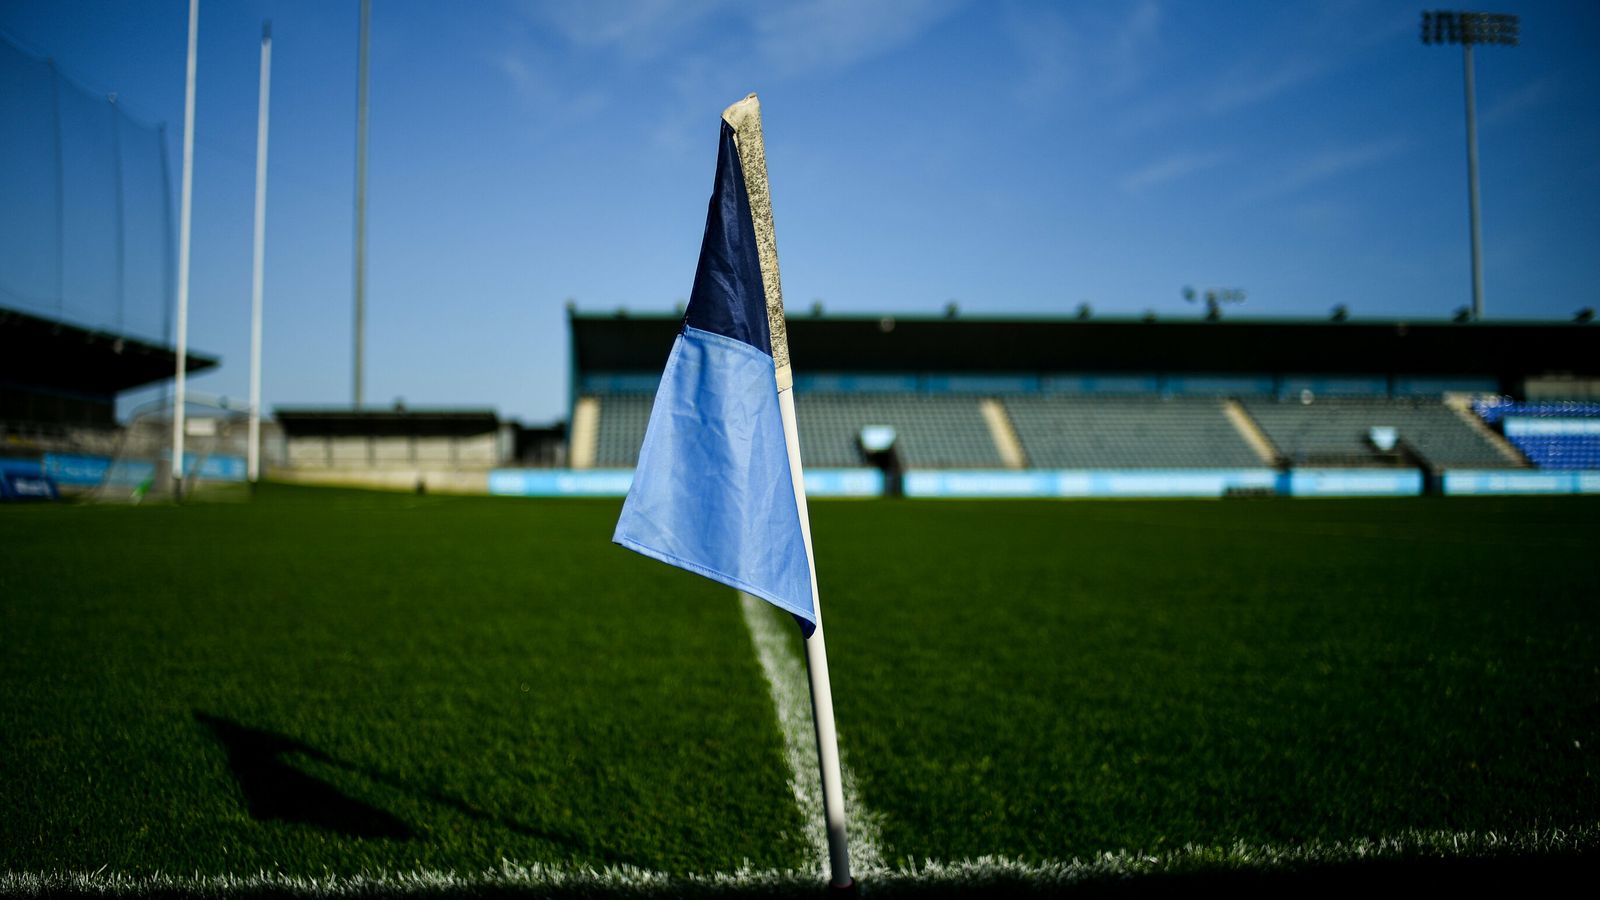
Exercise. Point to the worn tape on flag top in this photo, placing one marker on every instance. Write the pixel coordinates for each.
(745, 119)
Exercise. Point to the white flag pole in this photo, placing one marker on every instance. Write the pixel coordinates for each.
(184, 217)
(817, 668)
(257, 269)
(745, 117)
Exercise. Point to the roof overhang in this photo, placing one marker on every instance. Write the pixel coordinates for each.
(51, 354)
(1509, 350)
(347, 422)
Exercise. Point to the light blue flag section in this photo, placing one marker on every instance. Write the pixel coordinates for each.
(712, 492)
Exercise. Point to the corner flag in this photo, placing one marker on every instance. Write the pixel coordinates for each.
(718, 489)
(713, 491)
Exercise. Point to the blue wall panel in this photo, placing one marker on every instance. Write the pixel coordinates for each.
(1212, 385)
(1521, 481)
(855, 384)
(981, 384)
(1478, 384)
(615, 482)
(1354, 483)
(1091, 383)
(1088, 483)
(1334, 385)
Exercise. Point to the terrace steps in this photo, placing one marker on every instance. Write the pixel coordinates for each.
(1003, 432)
(1462, 405)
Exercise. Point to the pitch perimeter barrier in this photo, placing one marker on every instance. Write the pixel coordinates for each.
(1522, 481)
(88, 471)
(1353, 483)
(615, 482)
(1091, 483)
(1082, 483)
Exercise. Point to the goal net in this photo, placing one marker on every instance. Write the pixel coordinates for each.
(214, 449)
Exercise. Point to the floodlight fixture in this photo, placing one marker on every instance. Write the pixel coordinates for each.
(1468, 29)
(1445, 27)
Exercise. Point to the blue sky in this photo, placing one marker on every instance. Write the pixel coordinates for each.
(1017, 158)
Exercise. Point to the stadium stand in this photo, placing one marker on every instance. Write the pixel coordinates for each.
(1553, 435)
(1072, 432)
(623, 417)
(1333, 431)
(931, 431)
(1110, 394)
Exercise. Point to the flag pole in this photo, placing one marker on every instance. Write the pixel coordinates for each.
(817, 668)
(256, 274)
(745, 117)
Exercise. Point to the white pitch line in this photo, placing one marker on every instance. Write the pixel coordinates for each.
(791, 694)
(971, 874)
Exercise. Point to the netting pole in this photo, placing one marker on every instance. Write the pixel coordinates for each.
(253, 451)
(122, 218)
(61, 191)
(186, 202)
(1472, 184)
(168, 277)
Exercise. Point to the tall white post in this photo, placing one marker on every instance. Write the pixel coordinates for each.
(361, 203)
(184, 217)
(257, 270)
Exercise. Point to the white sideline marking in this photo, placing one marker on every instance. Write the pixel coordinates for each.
(973, 873)
(791, 694)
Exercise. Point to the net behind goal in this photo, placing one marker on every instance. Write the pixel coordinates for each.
(213, 460)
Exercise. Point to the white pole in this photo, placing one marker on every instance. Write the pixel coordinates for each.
(254, 450)
(745, 118)
(184, 216)
(361, 203)
(817, 667)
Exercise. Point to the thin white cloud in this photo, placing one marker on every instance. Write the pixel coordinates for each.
(1090, 51)
(820, 35)
(1172, 168)
(537, 88)
(1243, 88)
(1326, 165)
(1320, 40)
(1508, 107)
(800, 37)
(528, 86)
(1240, 87)
(638, 30)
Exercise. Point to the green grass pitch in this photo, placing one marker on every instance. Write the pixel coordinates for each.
(341, 682)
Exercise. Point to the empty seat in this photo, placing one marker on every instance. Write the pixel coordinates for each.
(1336, 429)
(1076, 432)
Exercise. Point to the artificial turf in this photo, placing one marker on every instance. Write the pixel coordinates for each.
(327, 681)
(1050, 681)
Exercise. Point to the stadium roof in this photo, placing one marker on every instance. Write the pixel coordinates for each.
(348, 422)
(1509, 350)
(47, 353)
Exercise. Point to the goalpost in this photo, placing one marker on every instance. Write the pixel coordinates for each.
(213, 468)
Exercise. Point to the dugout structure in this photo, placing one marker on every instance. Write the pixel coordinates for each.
(424, 448)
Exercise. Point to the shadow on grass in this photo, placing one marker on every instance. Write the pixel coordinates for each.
(275, 790)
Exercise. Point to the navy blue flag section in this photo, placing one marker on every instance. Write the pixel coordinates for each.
(713, 491)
